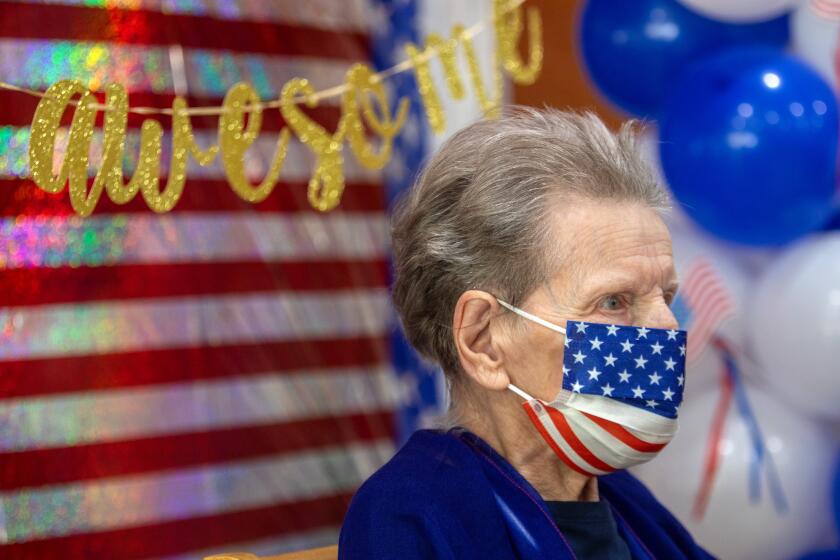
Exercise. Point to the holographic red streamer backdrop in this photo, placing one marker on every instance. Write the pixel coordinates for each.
(213, 379)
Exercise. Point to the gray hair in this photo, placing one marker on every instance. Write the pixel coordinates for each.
(477, 217)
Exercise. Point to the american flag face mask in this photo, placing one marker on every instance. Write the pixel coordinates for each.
(621, 390)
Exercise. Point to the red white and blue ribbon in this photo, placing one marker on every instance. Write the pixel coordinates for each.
(734, 390)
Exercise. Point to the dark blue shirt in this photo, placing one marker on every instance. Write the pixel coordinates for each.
(590, 529)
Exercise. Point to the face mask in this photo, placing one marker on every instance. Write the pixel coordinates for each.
(621, 390)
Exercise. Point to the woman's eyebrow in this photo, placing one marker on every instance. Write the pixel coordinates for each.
(615, 278)
(618, 282)
(610, 283)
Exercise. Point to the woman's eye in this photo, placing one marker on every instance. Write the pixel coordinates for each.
(611, 303)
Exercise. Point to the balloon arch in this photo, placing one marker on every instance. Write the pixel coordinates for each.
(744, 96)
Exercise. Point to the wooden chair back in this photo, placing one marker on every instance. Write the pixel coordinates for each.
(323, 553)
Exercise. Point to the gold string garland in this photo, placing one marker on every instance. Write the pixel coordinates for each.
(364, 103)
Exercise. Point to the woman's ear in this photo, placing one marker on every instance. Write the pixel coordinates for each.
(477, 338)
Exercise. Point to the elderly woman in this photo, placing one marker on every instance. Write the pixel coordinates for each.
(532, 265)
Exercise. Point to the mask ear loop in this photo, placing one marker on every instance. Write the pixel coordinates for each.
(520, 392)
(535, 319)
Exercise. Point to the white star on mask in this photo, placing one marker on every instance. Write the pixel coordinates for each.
(669, 364)
(625, 376)
(610, 359)
(668, 394)
(657, 348)
(576, 387)
(579, 357)
(612, 330)
(608, 390)
(640, 362)
(596, 343)
(672, 335)
(654, 379)
(593, 373)
(642, 332)
(581, 327)
(627, 346)
(651, 404)
(638, 392)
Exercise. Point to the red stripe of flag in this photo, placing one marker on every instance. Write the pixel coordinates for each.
(23, 197)
(198, 533)
(622, 434)
(143, 27)
(571, 438)
(41, 467)
(550, 440)
(42, 285)
(22, 378)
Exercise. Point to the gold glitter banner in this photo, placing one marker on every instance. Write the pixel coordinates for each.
(364, 104)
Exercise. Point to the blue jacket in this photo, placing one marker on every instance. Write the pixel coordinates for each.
(449, 495)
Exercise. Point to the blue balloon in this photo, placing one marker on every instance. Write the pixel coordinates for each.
(749, 146)
(634, 49)
(837, 498)
(834, 223)
(822, 555)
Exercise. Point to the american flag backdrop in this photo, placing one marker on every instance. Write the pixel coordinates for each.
(211, 379)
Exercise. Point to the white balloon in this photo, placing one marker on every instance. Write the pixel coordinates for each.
(740, 11)
(648, 145)
(754, 260)
(733, 526)
(704, 373)
(814, 39)
(795, 325)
